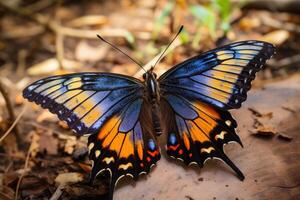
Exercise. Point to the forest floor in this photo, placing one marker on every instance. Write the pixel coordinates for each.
(42, 159)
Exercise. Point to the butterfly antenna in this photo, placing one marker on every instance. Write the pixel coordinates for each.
(116, 48)
(160, 57)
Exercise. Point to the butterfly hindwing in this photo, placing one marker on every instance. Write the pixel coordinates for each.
(220, 77)
(125, 145)
(85, 100)
(197, 131)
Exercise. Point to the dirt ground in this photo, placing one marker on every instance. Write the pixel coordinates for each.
(41, 158)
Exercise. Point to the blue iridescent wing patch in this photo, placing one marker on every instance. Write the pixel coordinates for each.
(220, 77)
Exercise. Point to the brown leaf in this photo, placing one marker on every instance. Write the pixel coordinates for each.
(264, 131)
(259, 114)
(51, 65)
(285, 137)
(65, 178)
(85, 167)
(88, 20)
(46, 116)
(63, 124)
(277, 37)
(70, 145)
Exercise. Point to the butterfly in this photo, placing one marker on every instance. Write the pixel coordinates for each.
(124, 116)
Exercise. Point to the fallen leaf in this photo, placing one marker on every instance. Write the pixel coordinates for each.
(63, 124)
(46, 116)
(80, 153)
(264, 131)
(85, 167)
(277, 37)
(70, 145)
(285, 137)
(259, 114)
(51, 65)
(34, 146)
(88, 20)
(19, 100)
(65, 178)
(249, 23)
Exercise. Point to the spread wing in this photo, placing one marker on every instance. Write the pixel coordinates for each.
(111, 109)
(198, 93)
(220, 77)
(198, 131)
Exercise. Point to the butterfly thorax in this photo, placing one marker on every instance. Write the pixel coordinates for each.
(152, 87)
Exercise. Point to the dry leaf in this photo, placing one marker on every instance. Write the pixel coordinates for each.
(285, 137)
(19, 100)
(51, 65)
(46, 116)
(34, 146)
(88, 20)
(264, 131)
(249, 23)
(85, 167)
(70, 145)
(259, 114)
(63, 124)
(63, 179)
(276, 37)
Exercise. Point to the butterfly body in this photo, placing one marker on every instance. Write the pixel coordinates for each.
(152, 92)
(189, 104)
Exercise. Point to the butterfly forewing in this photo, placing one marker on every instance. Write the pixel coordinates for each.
(220, 77)
(86, 100)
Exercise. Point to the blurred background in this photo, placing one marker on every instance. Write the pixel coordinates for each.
(39, 38)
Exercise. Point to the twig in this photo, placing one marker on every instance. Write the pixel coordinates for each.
(59, 41)
(9, 106)
(52, 25)
(58, 192)
(23, 173)
(14, 124)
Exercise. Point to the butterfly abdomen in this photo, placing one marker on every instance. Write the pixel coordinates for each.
(156, 118)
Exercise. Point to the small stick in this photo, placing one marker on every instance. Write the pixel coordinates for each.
(58, 192)
(23, 173)
(14, 124)
(9, 106)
